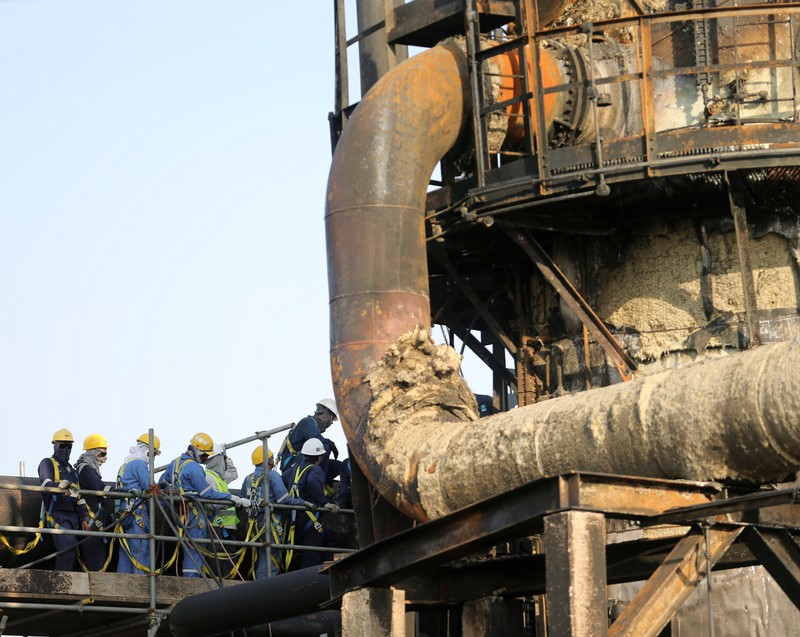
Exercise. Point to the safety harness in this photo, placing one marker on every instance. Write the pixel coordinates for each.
(294, 491)
(46, 515)
(128, 507)
(284, 459)
(276, 525)
(95, 517)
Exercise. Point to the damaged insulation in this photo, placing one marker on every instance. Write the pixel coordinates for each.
(732, 418)
(656, 290)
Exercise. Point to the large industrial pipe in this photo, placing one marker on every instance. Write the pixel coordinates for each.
(377, 267)
(255, 603)
(411, 421)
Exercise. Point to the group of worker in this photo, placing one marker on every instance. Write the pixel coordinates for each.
(203, 471)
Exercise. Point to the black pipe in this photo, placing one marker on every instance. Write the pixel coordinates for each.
(326, 622)
(254, 603)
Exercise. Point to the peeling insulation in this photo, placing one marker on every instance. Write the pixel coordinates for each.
(735, 417)
(656, 291)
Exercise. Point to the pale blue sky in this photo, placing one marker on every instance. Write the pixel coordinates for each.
(161, 220)
(163, 168)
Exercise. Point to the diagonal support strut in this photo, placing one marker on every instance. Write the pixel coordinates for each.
(619, 357)
(672, 583)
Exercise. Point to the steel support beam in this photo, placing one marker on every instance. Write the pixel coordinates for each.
(489, 359)
(575, 564)
(668, 588)
(466, 289)
(736, 198)
(626, 562)
(779, 553)
(510, 515)
(553, 275)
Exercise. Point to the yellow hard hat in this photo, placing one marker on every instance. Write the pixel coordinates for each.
(95, 441)
(203, 442)
(145, 438)
(258, 455)
(63, 435)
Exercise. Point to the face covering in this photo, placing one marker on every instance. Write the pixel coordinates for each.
(217, 464)
(195, 453)
(92, 458)
(61, 452)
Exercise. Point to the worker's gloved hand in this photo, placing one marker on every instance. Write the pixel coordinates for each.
(137, 493)
(309, 505)
(154, 489)
(241, 502)
(85, 525)
(334, 449)
(333, 508)
(63, 484)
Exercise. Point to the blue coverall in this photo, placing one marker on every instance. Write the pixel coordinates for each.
(62, 511)
(277, 495)
(134, 475)
(310, 481)
(185, 475)
(93, 549)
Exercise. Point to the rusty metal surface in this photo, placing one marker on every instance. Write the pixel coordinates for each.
(427, 22)
(576, 574)
(376, 193)
(736, 197)
(737, 504)
(672, 583)
(507, 516)
(516, 576)
(619, 357)
(634, 498)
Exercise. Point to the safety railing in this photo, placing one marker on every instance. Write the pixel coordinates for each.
(657, 94)
(216, 552)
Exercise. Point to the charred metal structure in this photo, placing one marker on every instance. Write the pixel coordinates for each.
(612, 228)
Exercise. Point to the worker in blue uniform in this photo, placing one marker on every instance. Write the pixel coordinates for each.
(263, 494)
(92, 550)
(184, 475)
(305, 528)
(310, 427)
(134, 476)
(66, 511)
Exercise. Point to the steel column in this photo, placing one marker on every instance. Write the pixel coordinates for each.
(575, 566)
(374, 612)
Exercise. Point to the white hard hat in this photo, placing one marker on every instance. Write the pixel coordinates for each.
(313, 447)
(330, 405)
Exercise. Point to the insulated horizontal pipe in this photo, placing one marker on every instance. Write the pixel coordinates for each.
(735, 417)
(254, 603)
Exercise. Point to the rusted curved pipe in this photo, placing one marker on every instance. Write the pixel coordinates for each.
(377, 263)
(413, 428)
